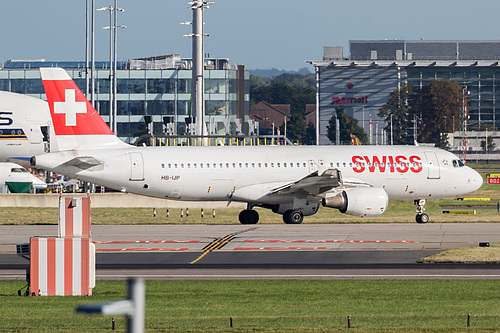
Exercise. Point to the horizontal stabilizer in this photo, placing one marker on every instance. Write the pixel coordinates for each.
(83, 162)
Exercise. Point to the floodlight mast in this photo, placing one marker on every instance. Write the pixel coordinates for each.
(197, 83)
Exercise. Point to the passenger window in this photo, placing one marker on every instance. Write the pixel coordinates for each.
(234, 165)
(227, 165)
(284, 165)
(260, 165)
(253, 165)
(163, 166)
(175, 165)
(169, 165)
(246, 165)
(272, 165)
(278, 165)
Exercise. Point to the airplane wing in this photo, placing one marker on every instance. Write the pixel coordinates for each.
(313, 183)
(316, 184)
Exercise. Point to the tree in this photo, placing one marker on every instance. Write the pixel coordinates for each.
(443, 141)
(439, 102)
(296, 127)
(348, 125)
(488, 145)
(397, 110)
(294, 89)
(310, 137)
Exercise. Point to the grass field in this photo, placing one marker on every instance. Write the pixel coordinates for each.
(271, 306)
(397, 212)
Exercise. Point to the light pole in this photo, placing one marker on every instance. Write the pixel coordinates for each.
(392, 133)
(113, 44)
(110, 8)
(115, 106)
(197, 80)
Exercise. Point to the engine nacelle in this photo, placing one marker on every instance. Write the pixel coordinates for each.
(370, 201)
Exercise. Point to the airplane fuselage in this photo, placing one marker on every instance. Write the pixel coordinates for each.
(246, 174)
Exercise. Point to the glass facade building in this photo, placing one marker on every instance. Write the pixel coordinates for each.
(149, 91)
(363, 81)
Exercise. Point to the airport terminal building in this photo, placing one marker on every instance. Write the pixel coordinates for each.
(363, 81)
(157, 86)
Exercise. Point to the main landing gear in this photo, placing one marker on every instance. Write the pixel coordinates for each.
(293, 217)
(248, 216)
(421, 216)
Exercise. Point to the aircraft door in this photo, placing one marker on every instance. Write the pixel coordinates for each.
(137, 166)
(312, 166)
(35, 135)
(432, 165)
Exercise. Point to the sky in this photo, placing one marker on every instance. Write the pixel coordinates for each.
(260, 34)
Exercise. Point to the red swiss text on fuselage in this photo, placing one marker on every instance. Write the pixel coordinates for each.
(399, 163)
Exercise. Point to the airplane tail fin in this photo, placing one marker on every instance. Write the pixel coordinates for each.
(76, 123)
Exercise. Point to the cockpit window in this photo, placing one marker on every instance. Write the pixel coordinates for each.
(458, 163)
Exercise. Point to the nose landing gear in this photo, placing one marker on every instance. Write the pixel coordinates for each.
(421, 216)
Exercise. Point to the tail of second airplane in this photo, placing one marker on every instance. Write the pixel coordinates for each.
(76, 123)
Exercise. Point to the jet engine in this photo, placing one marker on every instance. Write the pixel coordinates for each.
(370, 201)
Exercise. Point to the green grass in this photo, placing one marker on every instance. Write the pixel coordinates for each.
(271, 306)
(397, 212)
(475, 254)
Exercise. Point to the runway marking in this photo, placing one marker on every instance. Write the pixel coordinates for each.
(144, 249)
(147, 241)
(325, 241)
(281, 248)
(219, 243)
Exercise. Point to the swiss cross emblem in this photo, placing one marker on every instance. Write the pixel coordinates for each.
(70, 107)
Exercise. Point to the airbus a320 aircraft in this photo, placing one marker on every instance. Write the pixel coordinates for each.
(290, 180)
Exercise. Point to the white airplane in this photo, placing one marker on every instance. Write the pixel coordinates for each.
(24, 131)
(14, 173)
(25, 127)
(290, 180)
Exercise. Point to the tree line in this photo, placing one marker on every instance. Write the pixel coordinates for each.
(298, 90)
(428, 111)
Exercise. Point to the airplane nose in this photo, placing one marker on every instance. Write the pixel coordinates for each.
(476, 179)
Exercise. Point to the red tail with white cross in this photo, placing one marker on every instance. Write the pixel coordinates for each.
(72, 113)
(76, 123)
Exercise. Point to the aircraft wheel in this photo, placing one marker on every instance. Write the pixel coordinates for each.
(252, 217)
(248, 217)
(293, 217)
(422, 218)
